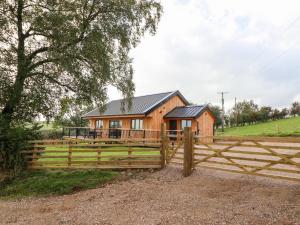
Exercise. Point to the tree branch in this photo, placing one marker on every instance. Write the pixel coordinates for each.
(36, 52)
(53, 80)
(42, 62)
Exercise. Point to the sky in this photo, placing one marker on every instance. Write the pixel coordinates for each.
(248, 48)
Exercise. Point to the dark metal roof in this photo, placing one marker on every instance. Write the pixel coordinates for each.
(140, 105)
(193, 111)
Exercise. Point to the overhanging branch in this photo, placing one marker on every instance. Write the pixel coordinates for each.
(53, 80)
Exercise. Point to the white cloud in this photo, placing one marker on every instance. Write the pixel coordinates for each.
(249, 48)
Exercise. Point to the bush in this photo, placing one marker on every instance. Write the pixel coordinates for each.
(51, 134)
(12, 142)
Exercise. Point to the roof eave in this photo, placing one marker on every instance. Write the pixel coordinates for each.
(115, 115)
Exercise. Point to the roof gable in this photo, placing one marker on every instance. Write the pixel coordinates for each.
(140, 105)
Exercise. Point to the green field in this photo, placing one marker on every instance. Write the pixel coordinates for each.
(284, 127)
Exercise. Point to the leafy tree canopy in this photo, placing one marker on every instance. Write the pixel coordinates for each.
(295, 109)
(216, 110)
(53, 49)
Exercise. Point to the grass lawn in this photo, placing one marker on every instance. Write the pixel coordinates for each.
(42, 183)
(284, 127)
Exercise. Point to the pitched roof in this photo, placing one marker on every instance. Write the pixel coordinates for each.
(140, 105)
(193, 111)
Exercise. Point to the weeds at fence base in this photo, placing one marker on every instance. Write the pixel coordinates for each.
(46, 183)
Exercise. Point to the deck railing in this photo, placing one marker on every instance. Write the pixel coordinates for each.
(117, 133)
(114, 133)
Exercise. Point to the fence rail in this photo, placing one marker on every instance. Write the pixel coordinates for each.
(102, 154)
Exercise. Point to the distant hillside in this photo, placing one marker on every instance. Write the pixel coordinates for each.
(284, 127)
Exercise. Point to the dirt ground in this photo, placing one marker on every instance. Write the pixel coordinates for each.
(165, 197)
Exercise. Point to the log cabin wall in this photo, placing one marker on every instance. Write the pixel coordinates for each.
(155, 118)
(206, 125)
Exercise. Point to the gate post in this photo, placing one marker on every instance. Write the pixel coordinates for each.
(188, 152)
(164, 143)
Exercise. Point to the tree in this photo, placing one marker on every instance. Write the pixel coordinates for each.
(53, 49)
(283, 113)
(275, 114)
(216, 110)
(244, 112)
(264, 113)
(70, 114)
(295, 109)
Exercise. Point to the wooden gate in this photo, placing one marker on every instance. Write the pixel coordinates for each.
(174, 147)
(260, 156)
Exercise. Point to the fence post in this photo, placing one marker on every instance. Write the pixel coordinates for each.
(163, 144)
(70, 154)
(188, 152)
(99, 154)
(129, 158)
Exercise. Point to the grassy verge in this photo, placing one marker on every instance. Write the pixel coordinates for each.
(279, 128)
(42, 183)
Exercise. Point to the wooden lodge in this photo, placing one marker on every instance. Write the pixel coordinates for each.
(144, 118)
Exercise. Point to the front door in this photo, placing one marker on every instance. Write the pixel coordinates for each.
(114, 129)
(173, 127)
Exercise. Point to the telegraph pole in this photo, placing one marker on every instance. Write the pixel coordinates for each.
(236, 113)
(223, 110)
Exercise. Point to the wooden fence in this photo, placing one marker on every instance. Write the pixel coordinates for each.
(91, 153)
(259, 156)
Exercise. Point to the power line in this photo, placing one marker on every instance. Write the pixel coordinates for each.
(267, 66)
(262, 52)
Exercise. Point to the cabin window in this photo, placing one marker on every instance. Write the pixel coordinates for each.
(137, 124)
(115, 124)
(186, 123)
(99, 124)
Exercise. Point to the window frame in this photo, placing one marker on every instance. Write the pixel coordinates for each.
(114, 123)
(137, 124)
(99, 121)
(186, 123)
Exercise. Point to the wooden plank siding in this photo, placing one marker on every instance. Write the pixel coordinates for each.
(155, 118)
(206, 126)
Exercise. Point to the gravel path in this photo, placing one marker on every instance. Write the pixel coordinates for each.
(165, 197)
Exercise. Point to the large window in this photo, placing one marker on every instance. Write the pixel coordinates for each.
(99, 124)
(115, 124)
(186, 123)
(137, 124)
(114, 131)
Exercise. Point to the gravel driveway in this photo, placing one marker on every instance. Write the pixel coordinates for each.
(165, 197)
